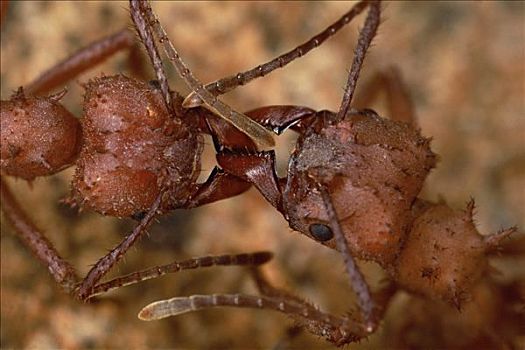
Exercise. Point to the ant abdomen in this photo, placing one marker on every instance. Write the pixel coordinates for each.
(39, 136)
(373, 168)
(132, 147)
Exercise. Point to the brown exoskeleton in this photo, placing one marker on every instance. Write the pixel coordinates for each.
(140, 145)
(138, 148)
(321, 90)
(352, 184)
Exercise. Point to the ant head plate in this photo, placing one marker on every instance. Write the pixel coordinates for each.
(373, 169)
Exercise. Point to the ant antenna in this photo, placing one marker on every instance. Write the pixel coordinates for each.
(359, 285)
(97, 272)
(244, 259)
(363, 43)
(146, 36)
(229, 83)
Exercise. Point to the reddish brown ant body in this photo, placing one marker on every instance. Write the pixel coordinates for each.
(139, 156)
(139, 146)
(352, 184)
(319, 233)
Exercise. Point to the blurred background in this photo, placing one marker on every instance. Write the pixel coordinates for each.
(463, 63)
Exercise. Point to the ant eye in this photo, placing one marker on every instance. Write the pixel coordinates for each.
(139, 216)
(321, 232)
(154, 84)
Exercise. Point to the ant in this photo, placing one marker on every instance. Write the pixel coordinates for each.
(127, 147)
(138, 150)
(137, 156)
(352, 184)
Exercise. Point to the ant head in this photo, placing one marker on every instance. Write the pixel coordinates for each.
(373, 169)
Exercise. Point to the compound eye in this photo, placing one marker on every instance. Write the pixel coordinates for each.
(321, 232)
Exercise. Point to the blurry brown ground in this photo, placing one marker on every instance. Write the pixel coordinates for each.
(464, 64)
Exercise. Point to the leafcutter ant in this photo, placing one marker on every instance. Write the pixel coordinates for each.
(420, 79)
(352, 184)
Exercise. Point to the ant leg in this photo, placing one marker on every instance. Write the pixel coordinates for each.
(398, 99)
(224, 85)
(245, 259)
(381, 299)
(84, 59)
(106, 263)
(258, 134)
(337, 329)
(63, 273)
